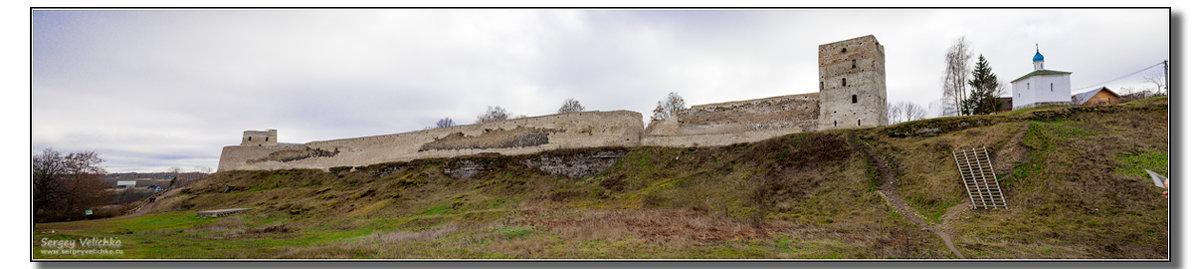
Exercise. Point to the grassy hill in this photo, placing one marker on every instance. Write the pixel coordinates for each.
(1071, 175)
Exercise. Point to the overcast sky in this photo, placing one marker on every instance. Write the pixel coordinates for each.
(152, 89)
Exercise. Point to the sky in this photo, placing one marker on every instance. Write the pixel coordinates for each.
(150, 89)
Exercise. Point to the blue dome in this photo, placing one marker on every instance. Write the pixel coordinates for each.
(1037, 57)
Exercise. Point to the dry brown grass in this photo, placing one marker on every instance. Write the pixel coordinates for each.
(647, 224)
(407, 236)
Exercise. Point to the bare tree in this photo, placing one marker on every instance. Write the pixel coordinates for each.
(1158, 79)
(904, 112)
(911, 111)
(66, 185)
(570, 105)
(203, 169)
(1131, 93)
(894, 113)
(175, 170)
(444, 122)
(1002, 89)
(668, 106)
(494, 113)
(949, 107)
(954, 79)
(935, 106)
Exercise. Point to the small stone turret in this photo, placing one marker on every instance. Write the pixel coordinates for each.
(260, 138)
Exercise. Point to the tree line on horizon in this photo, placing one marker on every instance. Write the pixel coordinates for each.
(668, 106)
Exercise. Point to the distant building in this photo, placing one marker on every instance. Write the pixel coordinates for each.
(1042, 87)
(1100, 96)
(126, 183)
(1006, 105)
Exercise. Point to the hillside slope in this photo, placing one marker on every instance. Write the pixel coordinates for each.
(1072, 177)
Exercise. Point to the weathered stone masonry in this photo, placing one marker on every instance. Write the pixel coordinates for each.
(735, 122)
(260, 138)
(852, 94)
(511, 137)
(853, 88)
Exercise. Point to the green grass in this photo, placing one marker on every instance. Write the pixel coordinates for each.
(176, 235)
(515, 232)
(1135, 164)
(1064, 129)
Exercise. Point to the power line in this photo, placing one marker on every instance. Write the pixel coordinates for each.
(1121, 77)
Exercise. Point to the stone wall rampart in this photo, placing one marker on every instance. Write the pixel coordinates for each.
(569, 130)
(798, 112)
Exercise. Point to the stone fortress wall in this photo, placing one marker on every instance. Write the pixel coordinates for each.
(510, 137)
(735, 122)
(858, 103)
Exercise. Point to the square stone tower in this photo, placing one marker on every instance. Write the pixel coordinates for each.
(852, 88)
(260, 138)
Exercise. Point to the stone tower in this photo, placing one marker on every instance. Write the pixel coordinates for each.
(852, 88)
(260, 138)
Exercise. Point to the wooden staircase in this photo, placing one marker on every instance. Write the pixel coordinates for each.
(976, 169)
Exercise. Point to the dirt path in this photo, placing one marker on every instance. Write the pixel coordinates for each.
(953, 212)
(891, 195)
(145, 208)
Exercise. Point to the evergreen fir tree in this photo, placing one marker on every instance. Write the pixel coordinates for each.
(985, 90)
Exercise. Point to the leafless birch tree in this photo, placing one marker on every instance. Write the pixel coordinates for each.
(911, 111)
(954, 79)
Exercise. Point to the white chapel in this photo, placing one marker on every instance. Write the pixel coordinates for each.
(1042, 87)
